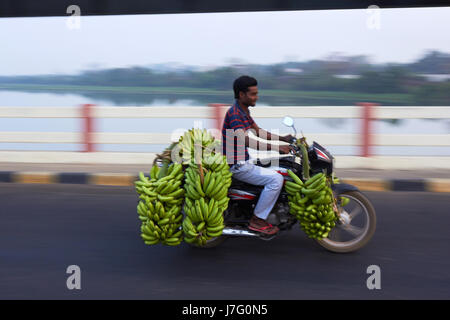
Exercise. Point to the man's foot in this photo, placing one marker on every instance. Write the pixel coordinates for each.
(262, 226)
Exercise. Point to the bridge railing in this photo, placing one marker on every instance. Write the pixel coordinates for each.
(89, 137)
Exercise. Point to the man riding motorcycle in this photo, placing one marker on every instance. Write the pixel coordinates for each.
(235, 141)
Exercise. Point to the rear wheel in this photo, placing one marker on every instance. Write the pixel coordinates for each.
(356, 226)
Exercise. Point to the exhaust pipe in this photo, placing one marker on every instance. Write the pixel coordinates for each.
(238, 232)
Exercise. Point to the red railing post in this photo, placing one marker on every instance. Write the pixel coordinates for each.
(366, 129)
(218, 117)
(87, 127)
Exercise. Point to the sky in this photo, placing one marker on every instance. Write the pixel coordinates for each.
(47, 45)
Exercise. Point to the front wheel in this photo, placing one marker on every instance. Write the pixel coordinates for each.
(355, 227)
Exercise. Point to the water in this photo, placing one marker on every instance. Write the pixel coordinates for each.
(308, 126)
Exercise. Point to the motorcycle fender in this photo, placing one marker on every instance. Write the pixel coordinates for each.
(343, 187)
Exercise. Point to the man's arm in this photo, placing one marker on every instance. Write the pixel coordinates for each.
(258, 145)
(266, 135)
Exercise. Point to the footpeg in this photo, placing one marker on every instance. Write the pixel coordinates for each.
(230, 231)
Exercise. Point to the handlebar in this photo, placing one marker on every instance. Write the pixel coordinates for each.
(293, 144)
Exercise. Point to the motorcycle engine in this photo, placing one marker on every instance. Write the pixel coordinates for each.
(279, 214)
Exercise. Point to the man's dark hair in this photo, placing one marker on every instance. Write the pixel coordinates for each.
(242, 83)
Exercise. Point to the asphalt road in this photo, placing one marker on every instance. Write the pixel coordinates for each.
(46, 228)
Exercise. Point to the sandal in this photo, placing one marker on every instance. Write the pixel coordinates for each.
(266, 229)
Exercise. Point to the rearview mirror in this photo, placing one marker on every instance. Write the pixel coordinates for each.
(288, 121)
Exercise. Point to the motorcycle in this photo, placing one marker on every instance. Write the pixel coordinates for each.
(357, 219)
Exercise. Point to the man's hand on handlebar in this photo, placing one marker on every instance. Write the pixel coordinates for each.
(289, 138)
(284, 149)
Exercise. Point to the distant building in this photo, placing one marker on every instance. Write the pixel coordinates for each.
(347, 76)
(435, 77)
(293, 70)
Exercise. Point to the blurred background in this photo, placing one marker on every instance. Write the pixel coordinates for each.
(392, 57)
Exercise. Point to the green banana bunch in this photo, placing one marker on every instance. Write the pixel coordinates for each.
(160, 206)
(204, 202)
(203, 221)
(312, 203)
(196, 140)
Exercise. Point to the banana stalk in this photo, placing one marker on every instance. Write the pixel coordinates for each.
(305, 160)
(166, 161)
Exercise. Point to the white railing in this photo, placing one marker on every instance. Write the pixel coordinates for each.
(89, 137)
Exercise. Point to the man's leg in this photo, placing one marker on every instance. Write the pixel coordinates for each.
(272, 182)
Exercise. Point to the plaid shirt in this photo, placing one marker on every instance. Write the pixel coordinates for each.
(235, 119)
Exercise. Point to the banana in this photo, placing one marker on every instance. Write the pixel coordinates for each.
(221, 194)
(154, 171)
(290, 190)
(215, 229)
(172, 188)
(204, 209)
(199, 210)
(192, 213)
(161, 186)
(190, 240)
(172, 240)
(206, 181)
(147, 237)
(303, 200)
(151, 242)
(218, 219)
(344, 201)
(293, 185)
(167, 188)
(295, 177)
(294, 206)
(220, 166)
(198, 186)
(215, 162)
(214, 213)
(178, 218)
(176, 170)
(194, 194)
(211, 204)
(147, 230)
(176, 194)
(210, 186)
(223, 201)
(162, 211)
(140, 211)
(218, 186)
(309, 192)
(316, 183)
(178, 234)
(142, 177)
(314, 178)
(214, 234)
(142, 218)
(164, 198)
(163, 222)
(192, 233)
(200, 226)
(170, 169)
